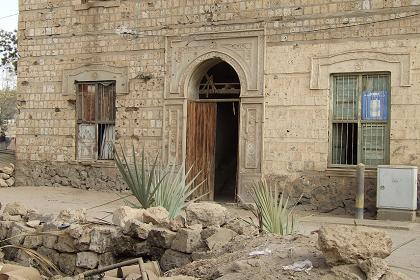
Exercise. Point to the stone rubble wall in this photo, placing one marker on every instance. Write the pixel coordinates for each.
(7, 175)
(82, 176)
(75, 245)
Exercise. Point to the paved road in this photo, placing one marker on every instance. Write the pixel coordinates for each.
(52, 200)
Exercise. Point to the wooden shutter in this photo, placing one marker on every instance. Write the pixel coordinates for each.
(201, 145)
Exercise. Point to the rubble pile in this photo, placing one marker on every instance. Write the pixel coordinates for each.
(7, 177)
(333, 253)
(202, 243)
(75, 245)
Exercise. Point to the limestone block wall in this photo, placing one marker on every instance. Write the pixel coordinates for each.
(304, 42)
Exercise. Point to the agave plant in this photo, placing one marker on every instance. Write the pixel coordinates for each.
(273, 211)
(140, 177)
(175, 189)
(155, 185)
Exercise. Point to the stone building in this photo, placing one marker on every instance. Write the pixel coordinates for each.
(298, 91)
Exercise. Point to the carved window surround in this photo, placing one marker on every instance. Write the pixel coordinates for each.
(87, 4)
(95, 72)
(360, 61)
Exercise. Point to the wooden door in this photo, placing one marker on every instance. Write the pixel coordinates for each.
(201, 145)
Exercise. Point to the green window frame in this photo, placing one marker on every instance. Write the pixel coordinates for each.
(360, 119)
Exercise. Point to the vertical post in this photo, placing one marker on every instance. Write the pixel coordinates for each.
(360, 192)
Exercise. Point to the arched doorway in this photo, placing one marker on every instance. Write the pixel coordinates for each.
(213, 131)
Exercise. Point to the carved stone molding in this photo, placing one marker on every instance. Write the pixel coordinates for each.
(243, 50)
(360, 61)
(95, 72)
(173, 134)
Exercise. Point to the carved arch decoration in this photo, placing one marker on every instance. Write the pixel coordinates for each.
(243, 50)
(193, 73)
(95, 72)
(360, 61)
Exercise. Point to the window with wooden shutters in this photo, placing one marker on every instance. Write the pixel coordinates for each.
(96, 120)
(360, 119)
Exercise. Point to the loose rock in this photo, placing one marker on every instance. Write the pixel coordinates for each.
(67, 263)
(207, 214)
(161, 237)
(32, 241)
(187, 240)
(70, 216)
(220, 238)
(156, 215)
(172, 259)
(87, 260)
(15, 208)
(10, 182)
(101, 239)
(123, 214)
(394, 275)
(3, 183)
(374, 268)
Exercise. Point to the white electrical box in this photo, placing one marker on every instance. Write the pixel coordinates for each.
(397, 187)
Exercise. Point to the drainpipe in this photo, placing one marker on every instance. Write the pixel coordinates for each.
(360, 192)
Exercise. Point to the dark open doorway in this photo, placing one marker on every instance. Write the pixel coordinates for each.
(226, 159)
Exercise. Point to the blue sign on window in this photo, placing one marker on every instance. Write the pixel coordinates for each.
(375, 105)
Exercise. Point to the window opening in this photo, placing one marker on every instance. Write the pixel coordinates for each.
(360, 119)
(96, 120)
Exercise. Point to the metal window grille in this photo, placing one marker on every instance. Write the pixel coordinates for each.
(360, 119)
(96, 120)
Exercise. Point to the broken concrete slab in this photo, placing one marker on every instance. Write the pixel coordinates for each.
(348, 244)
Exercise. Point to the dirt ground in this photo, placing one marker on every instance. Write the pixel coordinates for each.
(52, 200)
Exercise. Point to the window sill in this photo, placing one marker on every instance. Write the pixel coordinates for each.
(94, 4)
(350, 172)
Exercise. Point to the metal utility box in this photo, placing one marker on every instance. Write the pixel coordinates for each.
(397, 187)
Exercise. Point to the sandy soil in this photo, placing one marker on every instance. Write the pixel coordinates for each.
(53, 200)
